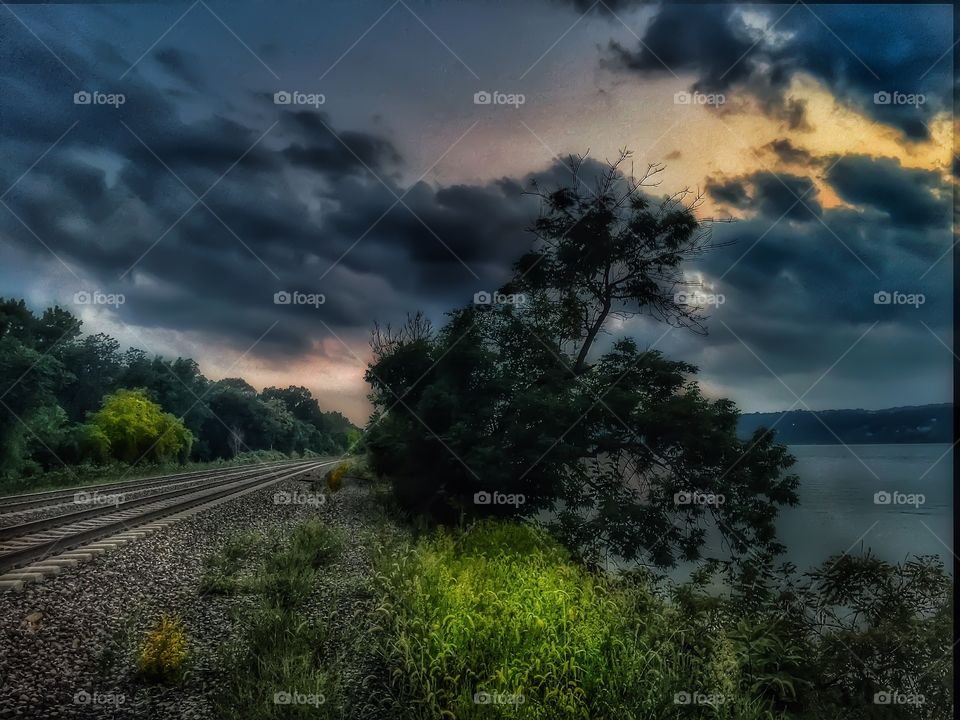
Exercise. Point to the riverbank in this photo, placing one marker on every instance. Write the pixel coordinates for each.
(327, 606)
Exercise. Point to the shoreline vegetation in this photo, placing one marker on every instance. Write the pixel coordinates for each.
(493, 618)
(916, 424)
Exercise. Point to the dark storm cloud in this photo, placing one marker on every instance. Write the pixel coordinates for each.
(781, 194)
(353, 152)
(787, 152)
(180, 66)
(305, 207)
(769, 194)
(728, 191)
(287, 215)
(908, 196)
(602, 8)
(856, 51)
(696, 38)
(800, 294)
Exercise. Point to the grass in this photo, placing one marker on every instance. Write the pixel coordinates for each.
(497, 622)
(221, 571)
(277, 669)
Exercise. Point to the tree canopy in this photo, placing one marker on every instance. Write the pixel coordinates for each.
(514, 408)
(66, 398)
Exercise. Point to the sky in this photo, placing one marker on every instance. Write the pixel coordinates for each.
(184, 186)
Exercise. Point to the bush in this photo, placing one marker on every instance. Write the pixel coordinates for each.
(164, 651)
(253, 457)
(334, 477)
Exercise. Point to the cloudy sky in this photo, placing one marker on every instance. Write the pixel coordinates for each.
(826, 131)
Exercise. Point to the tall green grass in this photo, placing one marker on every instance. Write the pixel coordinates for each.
(276, 669)
(497, 622)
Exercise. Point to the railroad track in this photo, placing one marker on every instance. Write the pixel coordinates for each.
(32, 544)
(105, 499)
(27, 501)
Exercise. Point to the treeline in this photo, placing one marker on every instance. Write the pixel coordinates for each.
(917, 424)
(67, 398)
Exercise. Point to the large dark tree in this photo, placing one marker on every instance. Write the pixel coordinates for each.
(621, 447)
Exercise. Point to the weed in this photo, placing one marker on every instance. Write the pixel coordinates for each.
(164, 651)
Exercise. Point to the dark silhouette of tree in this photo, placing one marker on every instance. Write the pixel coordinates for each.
(623, 450)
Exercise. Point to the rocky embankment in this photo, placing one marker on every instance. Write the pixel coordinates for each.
(67, 644)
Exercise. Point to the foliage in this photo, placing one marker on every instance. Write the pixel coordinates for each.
(828, 642)
(221, 570)
(99, 470)
(136, 428)
(288, 575)
(280, 650)
(164, 651)
(516, 399)
(501, 608)
(53, 379)
(500, 613)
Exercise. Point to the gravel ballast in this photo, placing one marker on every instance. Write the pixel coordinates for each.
(65, 642)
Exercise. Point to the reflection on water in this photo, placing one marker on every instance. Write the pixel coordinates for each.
(840, 509)
(895, 500)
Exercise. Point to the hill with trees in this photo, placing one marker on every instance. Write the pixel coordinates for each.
(915, 424)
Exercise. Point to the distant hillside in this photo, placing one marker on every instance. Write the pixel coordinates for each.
(919, 424)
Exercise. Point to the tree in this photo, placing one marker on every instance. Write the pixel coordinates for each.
(137, 429)
(97, 365)
(324, 431)
(622, 450)
(53, 379)
(32, 373)
(236, 421)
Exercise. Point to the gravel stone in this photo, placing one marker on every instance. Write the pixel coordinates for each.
(66, 643)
